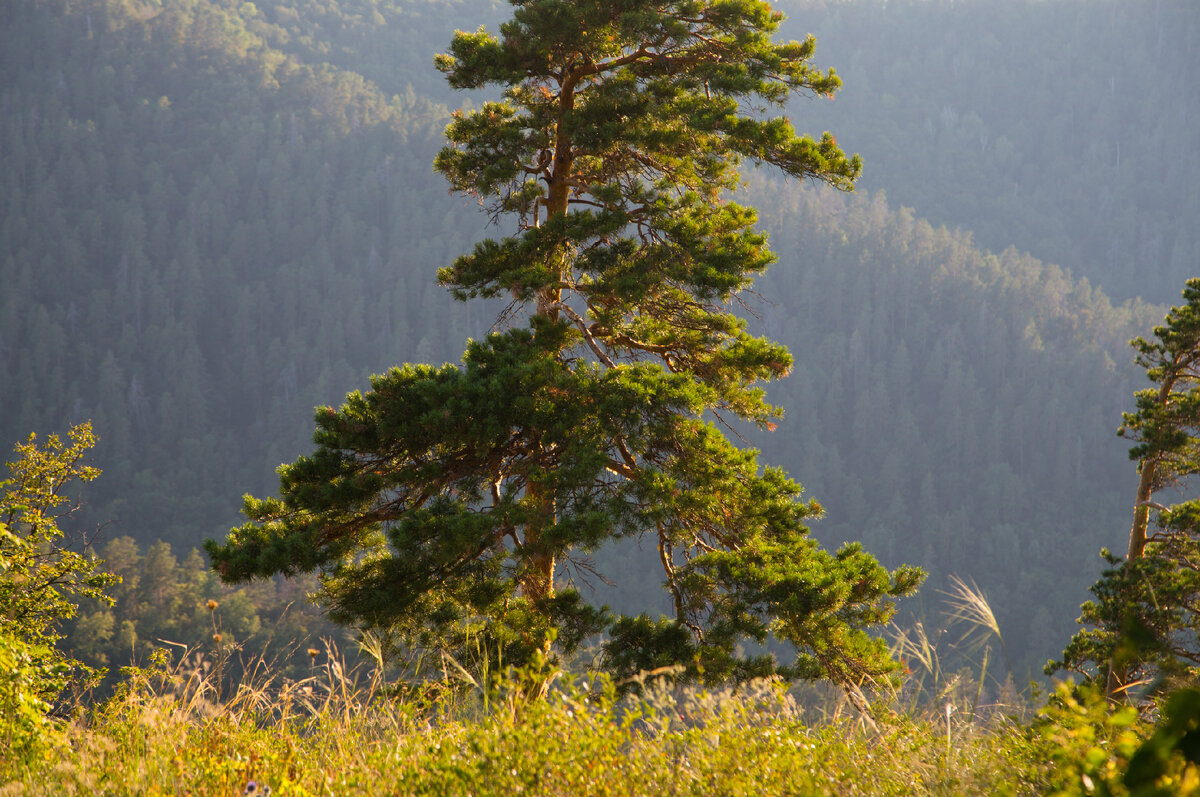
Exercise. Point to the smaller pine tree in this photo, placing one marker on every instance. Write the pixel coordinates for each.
(1142, 625)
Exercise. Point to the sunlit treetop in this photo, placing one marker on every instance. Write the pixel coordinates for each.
(620, 133)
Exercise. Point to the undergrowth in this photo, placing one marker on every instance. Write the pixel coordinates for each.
(179, 727)
(341, 732)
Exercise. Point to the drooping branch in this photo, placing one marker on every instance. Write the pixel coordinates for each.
(585, 329)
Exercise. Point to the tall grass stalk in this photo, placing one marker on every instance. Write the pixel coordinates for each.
(968, 603)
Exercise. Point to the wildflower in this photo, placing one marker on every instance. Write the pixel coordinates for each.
(212, 604)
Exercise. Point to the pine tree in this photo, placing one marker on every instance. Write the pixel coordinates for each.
(1143, 621)
(447, 505)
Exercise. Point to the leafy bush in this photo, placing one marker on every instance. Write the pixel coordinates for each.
(41, 581)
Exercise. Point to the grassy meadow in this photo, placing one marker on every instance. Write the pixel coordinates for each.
(182, 726)
(170, 731)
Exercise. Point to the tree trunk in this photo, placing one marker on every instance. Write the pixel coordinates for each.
(538, 581)
(1118, 674)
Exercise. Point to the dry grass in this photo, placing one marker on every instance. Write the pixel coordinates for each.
(343, 730)
(173, 728)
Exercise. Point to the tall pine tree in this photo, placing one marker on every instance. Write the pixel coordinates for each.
(446, 505)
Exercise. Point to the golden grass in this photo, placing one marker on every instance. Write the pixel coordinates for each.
(177, 727)
(172, 731)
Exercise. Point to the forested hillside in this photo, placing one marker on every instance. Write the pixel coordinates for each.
(953, 408)
(201, 240)
(1064, 128)
(215, 216)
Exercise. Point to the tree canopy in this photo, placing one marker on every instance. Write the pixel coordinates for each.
(456, 506)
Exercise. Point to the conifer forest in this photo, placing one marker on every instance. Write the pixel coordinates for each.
(578, 397)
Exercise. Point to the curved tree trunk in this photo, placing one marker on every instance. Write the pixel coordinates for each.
(1118, 675)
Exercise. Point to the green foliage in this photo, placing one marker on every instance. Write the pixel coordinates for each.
(441, 505)
(1081, 745)
(167, 195)
(41, 582)
(28, 675)
(1168, 763)
(1163, 426)
(1143, 624)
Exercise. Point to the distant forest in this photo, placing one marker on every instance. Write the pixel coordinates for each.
(215, 216)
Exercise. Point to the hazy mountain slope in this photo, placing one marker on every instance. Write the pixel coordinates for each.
(1067, 128)
(951, 407)
(389, 42)
(201, 239)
